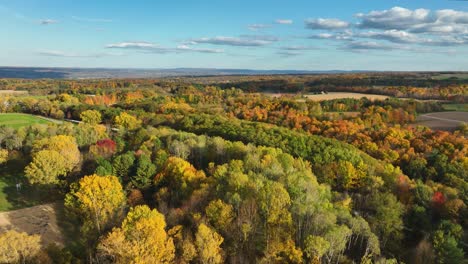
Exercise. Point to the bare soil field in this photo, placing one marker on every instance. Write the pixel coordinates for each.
(448, 121)
(37, 220)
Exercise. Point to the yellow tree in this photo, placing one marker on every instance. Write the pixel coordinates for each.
(64, 145)
(208, 244)
(3, 156)
(181, 177)
(98, 201)
(127, 121)
(46, 167)
(141, 239)
(220, 214)
(16, 247)
(91, 117)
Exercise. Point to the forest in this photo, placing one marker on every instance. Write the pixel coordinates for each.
(199, 170)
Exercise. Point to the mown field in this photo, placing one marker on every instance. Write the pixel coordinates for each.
(16, 120)
(456, 107)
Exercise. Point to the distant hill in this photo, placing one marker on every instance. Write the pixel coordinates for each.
(88, 73)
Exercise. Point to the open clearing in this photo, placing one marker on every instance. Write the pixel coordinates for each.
(28, 195)
(338, 95)
(16, 120)
(37, 220)
(330, 96)
(456, 107)
(13, 92)
(448, 121)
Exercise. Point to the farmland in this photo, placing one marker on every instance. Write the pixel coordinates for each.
(250, 166)
(16, 120)
(329, 96)
(448, 121)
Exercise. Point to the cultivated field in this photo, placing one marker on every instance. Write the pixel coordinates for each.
(456, 107)
(339, 95)
(16, 120)
(330, 96)
(13, 92)
(448, 121)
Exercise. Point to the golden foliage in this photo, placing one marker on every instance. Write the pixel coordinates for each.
(141, 239)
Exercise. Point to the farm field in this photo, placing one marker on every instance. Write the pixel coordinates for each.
(340, 95)
(16, 120)
(448, 121)
(330, 96)
(13, 92)
(456, 107)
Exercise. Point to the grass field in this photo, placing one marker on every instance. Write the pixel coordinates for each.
(11, 173)
(456, 107)
(16, 120)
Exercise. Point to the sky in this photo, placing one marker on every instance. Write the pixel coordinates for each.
(423, 35)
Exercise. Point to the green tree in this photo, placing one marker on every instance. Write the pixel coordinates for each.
(316, 247)
(387, 220)
(145, 172)
(122, 165)
(220, 214)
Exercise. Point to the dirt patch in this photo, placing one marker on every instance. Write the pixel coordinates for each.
(37, 220)
(448, 121)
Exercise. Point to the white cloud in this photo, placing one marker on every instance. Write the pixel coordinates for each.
(242, 41)
(298, 48)
(326, 23)
(393, 35)
(284, 21)
(417, 21)
(346, 35)
(188, 48)
(256, 27)
(48, 21)
(132, 45)
(154, 48)
(368, 45)
(289, 53)
(57, 53)
(394, 18)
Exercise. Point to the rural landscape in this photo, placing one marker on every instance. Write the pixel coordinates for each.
(241, 132)
(192, 170)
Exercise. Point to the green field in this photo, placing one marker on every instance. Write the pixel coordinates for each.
(11, 173)
(16, 120)
(456, 107)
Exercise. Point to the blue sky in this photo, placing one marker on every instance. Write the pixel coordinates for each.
(255, 34)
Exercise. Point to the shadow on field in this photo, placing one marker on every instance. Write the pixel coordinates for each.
(14, 197)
